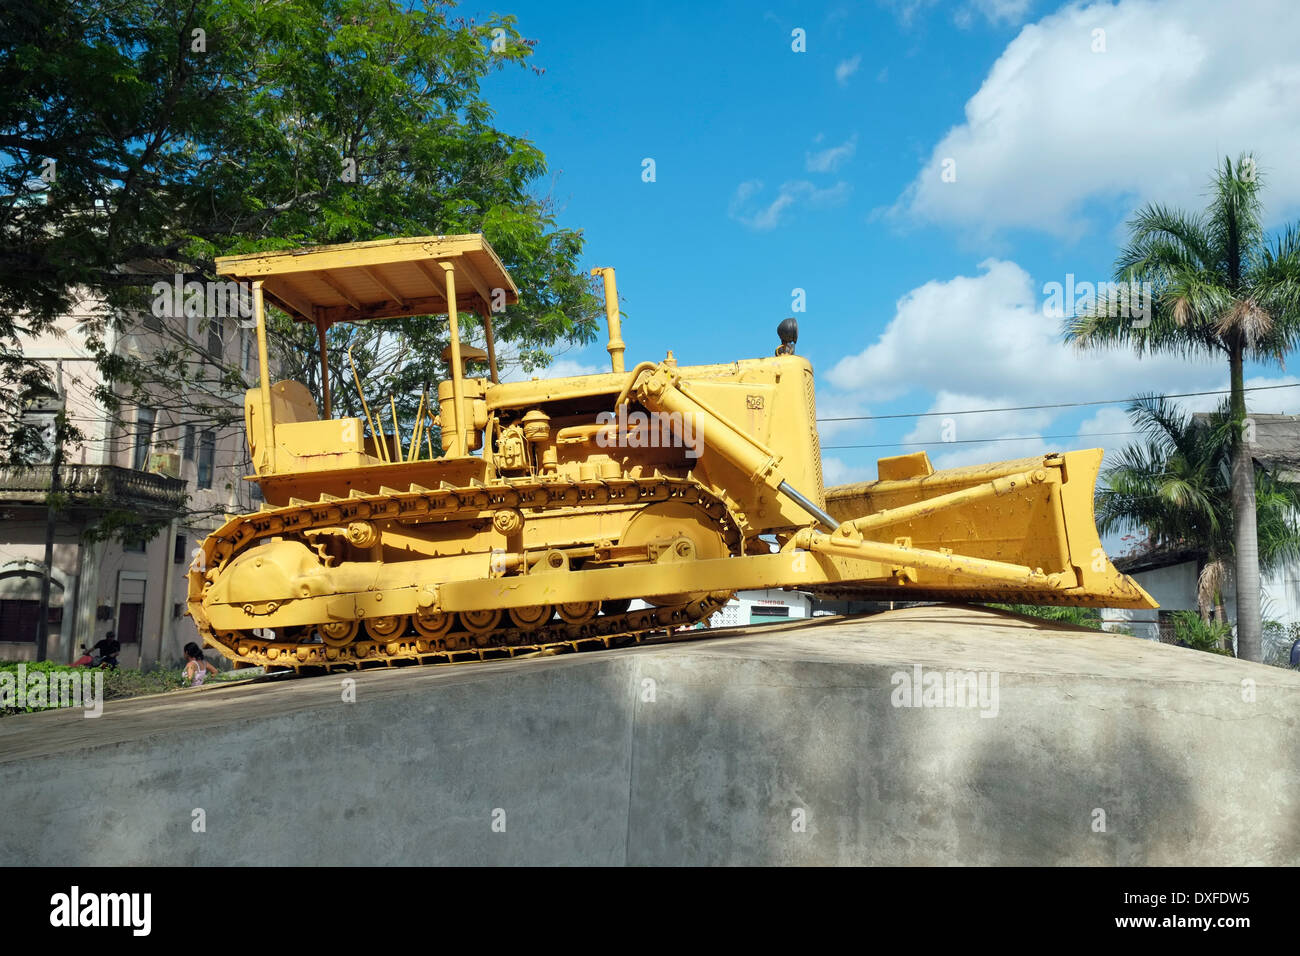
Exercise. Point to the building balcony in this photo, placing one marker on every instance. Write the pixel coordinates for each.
(94, 486)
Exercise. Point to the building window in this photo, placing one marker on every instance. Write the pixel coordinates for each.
(130, 608)
(133, 545)
(130, 622)
(18, 620)
(178, 552)
(187, 446)
(143, 437)
(215, 335)
(207, 452)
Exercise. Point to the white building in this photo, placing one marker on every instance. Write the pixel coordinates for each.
(756, 607)
(170, 459)
(1170, 578)
(762, 607)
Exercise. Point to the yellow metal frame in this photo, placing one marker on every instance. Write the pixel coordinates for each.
(366, 281)
(551, 514)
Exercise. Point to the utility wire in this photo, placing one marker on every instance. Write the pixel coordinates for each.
(1025, 408)
(976, 441)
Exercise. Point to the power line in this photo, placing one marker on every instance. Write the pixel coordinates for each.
(976, 441)
(1026, 408)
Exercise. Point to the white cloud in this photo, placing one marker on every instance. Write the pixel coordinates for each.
(833, 405)
(1054, 125)
(906, 10)
(766, 217)
(1110, 429)
(982, 342)
(566, 368)
(974, 342)
(990, 451)
(954, 440)
(997, 12)
(510, 366)
(1110, 422)
(986, 335)
(836, 472)
(829, 160)
(846, 68)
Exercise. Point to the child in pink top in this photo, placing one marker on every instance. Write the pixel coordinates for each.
(196, 667)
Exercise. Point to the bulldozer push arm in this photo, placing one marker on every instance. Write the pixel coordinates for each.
(1023, 529)
(555, 503)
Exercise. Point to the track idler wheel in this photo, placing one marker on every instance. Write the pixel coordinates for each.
(531, 618)
(435, 626)
(481, 623)
(339, 633)
(580, 612)
(386, 628)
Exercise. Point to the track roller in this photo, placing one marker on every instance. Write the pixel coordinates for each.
(339, 633)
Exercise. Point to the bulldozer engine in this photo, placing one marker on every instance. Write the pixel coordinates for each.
(556, 503)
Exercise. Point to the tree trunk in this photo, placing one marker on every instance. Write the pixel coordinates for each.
(1243, 521)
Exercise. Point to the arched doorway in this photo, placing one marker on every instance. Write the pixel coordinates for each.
(20, 604)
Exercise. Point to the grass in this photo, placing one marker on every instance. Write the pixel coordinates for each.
(119, 684)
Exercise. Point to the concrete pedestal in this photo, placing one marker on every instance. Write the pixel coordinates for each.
(931, 735)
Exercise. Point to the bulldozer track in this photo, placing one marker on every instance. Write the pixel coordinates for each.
(451, 503)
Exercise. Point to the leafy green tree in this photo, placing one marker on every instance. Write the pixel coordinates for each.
(141, 140)
(1220, 287)
(1175, 483)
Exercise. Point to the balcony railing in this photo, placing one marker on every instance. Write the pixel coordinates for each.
(94, 485)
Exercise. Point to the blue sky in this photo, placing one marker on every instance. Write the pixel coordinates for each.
(823, 170)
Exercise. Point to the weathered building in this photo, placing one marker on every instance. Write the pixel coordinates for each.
(179, 459)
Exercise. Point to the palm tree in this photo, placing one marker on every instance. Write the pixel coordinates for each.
(1175, 484)
(1219, 286)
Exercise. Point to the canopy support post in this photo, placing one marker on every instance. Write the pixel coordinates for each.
(264, 376)
(457, 370)
(491, 342)
(321, 327)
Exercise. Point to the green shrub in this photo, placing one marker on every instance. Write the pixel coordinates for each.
(118, 684)
(40, 667)
(1085, 617)
(1201, 635)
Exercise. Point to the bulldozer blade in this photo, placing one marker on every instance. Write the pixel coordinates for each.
(1034, 513)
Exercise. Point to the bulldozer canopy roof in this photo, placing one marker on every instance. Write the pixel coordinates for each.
(383, 279)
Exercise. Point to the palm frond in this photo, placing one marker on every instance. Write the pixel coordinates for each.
(1234, 220)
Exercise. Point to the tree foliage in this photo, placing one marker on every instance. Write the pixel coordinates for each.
(141, 140)
(1175, 483)
(1220, 286)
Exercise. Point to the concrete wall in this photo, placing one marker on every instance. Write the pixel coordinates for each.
(784, 745)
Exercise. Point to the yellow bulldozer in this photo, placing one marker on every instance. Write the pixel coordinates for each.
(551, 505)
